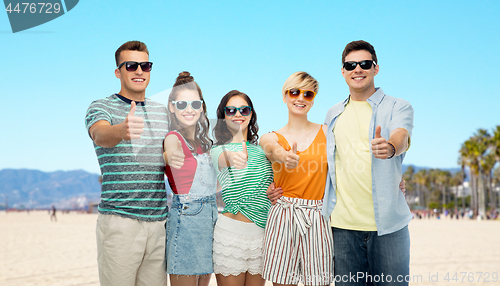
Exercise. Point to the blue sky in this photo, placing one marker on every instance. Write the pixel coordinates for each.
(441, 56)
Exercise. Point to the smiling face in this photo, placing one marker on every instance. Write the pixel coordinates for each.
(237, 122)
(360, 81)
(133, 83)
(189, 116)
(299, 105)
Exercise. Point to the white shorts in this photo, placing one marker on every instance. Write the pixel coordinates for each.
(130, 251)
(298, 243)
(237, 247)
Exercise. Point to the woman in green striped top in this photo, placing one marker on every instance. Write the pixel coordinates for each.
(244, 173)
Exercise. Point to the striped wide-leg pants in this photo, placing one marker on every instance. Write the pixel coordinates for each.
(298, 243)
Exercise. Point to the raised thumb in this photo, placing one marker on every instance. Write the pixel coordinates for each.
(244, 146)
(132, 108)
(377, 132)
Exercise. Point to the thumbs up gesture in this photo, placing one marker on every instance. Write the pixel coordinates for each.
(176, 159)
(380, 147)
(132, 126)
(240, 158)
(292, 159)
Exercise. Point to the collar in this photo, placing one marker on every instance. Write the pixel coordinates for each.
(374, 99)
(143, 103)
(377, 97)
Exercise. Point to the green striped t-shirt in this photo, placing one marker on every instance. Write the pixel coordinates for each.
(133, 184)
(245, 190)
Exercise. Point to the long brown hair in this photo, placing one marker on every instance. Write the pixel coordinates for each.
(186, 82)
(221, 133)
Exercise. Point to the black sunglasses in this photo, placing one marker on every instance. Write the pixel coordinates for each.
(231, 110)
(132, 66)
(366, 65)
(182, 104)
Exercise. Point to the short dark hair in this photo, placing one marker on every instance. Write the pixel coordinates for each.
(130, 46)
(359, 46)
(221, 133)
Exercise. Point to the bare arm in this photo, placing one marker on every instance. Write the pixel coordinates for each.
(402, 186)
(399, 137)
(234, 159)
(276, 153)
(106, 135)
(173, 155)
(273, 193)
(382, 148)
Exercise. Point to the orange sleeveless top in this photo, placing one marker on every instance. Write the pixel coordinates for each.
(308, 179)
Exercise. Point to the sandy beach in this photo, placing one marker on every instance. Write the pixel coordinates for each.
(36, 251)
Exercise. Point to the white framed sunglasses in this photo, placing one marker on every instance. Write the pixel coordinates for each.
(182, 104)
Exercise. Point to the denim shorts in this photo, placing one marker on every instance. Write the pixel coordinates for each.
(190, 232)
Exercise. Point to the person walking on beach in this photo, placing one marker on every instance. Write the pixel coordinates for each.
(128, 131)
(53, 214)
(367, 137)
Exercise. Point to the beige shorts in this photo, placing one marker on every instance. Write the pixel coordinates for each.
(130, 252)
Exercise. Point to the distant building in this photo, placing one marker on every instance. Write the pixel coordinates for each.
(462, 190)
(92, 208)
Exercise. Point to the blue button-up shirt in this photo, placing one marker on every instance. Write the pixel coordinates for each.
(391, 210)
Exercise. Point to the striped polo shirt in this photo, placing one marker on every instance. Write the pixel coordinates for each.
(245, 190)
(133, 184)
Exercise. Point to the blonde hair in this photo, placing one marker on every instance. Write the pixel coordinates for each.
(300, 80)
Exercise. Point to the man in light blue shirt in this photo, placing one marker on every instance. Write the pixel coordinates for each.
(368, 135)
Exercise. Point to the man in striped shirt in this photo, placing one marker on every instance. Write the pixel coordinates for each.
(127, 131)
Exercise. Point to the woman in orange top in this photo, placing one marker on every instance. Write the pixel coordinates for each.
(298, 241)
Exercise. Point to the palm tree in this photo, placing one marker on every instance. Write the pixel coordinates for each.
(456, 181)
(495, 142)
(442, 180)
(410, 185)
(487, 164)
(421, 179)
(494, 185)
(473, 154)
(468, 161)
(483, 139)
